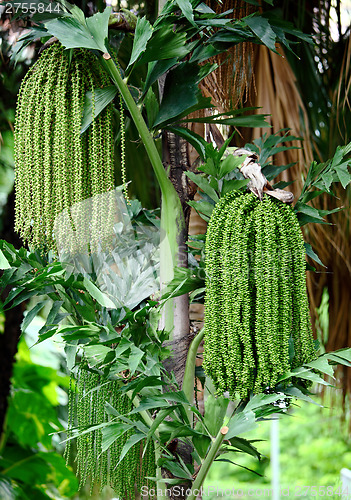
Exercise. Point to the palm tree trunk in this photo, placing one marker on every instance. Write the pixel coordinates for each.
(176, 161)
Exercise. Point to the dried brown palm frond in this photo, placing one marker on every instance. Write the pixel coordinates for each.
(277, 95)
(333, 245)
(253, 73)
(333, 242)
(227, 86)
(231, 82)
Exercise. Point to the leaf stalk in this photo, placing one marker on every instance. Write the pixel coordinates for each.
(172, 218)
(206, 464)
(160, 484)
(189, 373)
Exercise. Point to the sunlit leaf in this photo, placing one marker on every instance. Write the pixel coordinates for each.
(99, 296)
(111, 433)
(309, 375)
(215, 412)
(142, 35)
(96, 354)
(90, 33)
(259, 400)
(230, 164)
(102, 97)
(344, 175)
(321, 364)
(4, 263)
(241, 422)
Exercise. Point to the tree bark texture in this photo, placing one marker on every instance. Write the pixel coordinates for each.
(177, 162)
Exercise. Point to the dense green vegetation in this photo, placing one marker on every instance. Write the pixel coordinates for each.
(31, 463)
(314, 447)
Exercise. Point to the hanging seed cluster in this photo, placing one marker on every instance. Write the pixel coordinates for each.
(257, 323)
(55, 166)
(86, 406)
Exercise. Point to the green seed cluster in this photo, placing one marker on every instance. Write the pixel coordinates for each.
(256, 298)
(123, 149)
(55, 166)
(93, 465)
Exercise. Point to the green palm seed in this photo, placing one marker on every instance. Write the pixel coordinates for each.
(56, 166)
(88, 398)
(256, 299)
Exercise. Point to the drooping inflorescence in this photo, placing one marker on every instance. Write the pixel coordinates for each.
(257, 323)
(55, 165)
(87, 410)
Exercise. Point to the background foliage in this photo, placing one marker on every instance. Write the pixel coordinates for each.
(312, 452)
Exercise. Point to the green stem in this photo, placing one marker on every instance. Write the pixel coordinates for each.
(206, 464)
(160, 484)
(189, 373)
(172, 219)
(146, 137)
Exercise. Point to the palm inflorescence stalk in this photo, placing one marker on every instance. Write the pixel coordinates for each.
(55, 166)
(257, 323)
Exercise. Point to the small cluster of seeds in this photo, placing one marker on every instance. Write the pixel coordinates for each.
(256, 297)
(56, 166)
(127, 477)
